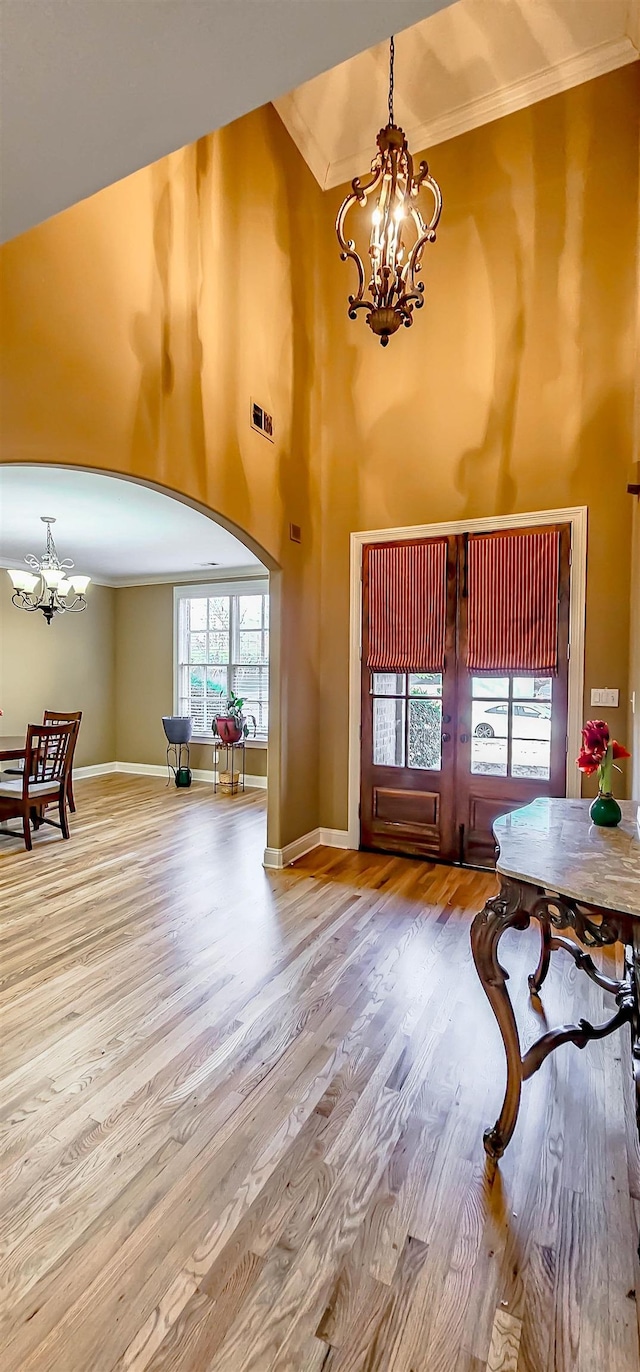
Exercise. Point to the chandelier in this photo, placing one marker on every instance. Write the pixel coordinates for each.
(48, 587)
(398, 231)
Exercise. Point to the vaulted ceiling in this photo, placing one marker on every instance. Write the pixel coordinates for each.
(95, 89)
(463, 66)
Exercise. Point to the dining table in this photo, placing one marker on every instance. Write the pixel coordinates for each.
(581, 884)
(12, 747)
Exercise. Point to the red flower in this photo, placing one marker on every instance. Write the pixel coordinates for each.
(586, 762)
(595, 737)
(618, 750)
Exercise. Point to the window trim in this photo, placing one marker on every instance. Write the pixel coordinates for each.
(245, 586)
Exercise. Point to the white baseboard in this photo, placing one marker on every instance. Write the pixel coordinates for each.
(336, 838)
(316, 838)
(97, 769)
(154, 769)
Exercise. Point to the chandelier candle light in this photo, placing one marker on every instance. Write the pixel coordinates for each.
(399, 232)
(48, 586)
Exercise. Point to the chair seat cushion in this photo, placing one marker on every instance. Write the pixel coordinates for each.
(13, 789)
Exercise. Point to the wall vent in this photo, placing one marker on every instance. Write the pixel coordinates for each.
(295, 533)
(261, 420)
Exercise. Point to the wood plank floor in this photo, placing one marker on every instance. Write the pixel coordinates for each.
(242, 1112)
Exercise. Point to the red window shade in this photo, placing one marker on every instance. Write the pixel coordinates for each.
(512, 607)
(407, 589)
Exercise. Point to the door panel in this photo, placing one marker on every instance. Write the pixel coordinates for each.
(511, 743)
(408, 771)
(444, 754)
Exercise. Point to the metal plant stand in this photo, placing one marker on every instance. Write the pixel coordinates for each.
(178, 760)
(235, 774)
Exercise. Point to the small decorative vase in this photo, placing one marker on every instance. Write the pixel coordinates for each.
(605, 811)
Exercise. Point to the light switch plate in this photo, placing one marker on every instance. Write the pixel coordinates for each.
(605, 695)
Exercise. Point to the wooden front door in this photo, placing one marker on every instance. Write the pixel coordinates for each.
(408, 746)
(443, 754)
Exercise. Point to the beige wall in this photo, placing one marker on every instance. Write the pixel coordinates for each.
(144, 680)
(138, 323)
(513, 389)
(68, 665)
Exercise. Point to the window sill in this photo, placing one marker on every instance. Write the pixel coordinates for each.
(250, 742)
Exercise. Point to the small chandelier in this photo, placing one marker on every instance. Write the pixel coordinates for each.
(392, 291)
(48, 587)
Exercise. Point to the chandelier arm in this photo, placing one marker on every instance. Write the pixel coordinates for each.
(348, 249)
(22, 603)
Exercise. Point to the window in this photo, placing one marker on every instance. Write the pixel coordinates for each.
(222, 645)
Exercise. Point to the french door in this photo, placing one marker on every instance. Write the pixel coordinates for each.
(443, 753)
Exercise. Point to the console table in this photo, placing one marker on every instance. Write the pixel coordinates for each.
(559, 869)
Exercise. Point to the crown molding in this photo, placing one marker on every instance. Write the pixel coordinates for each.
(195, 578)
(250, 573)
(584, 66)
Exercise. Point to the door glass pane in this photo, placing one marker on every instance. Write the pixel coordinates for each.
(531, 758)
(482, 686)
(425, 734)
(531, 734)
(532, 688)
(388, 684)
(489, 734)
(425, 684)
(388, 732)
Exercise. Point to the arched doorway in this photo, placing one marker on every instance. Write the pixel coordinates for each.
(144, 544)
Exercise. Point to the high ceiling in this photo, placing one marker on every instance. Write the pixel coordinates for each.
(95, 89)
(116, 531)
(464, 66)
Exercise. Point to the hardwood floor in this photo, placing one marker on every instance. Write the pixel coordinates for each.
(242, 1115)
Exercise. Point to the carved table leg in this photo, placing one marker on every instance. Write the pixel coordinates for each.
(501, 912)
(536, 979)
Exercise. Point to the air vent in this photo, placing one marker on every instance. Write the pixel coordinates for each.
(295, 533)
(262, 421)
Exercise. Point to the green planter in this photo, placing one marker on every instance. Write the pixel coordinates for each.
(605, 811)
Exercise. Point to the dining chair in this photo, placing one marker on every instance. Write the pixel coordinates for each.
(57, 717)
(48, 752)
(66, 717)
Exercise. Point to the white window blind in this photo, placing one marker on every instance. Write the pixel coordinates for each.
(222, 645)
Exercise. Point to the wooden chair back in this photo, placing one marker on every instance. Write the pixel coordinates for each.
(64, 717)
(49, 749)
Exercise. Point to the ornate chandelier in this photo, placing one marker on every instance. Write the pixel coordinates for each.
(398, 231)
(47, 586)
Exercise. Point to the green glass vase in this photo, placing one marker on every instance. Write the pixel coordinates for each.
(605, 811)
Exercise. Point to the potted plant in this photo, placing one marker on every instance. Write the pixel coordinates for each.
(234, 725)
(598, 754)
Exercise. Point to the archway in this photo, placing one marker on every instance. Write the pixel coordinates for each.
(172, 571)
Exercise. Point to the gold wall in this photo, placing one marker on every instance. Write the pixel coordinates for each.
(138, 324)
(634, 730)
(514, 388)
(68, 665)
(136, 327)
(144, 680)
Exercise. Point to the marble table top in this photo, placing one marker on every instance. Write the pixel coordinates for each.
(552, 843)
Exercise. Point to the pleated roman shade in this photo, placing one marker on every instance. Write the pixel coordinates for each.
(512, 603)
(407, 591)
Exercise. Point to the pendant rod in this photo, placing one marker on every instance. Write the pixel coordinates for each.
(392, 53)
